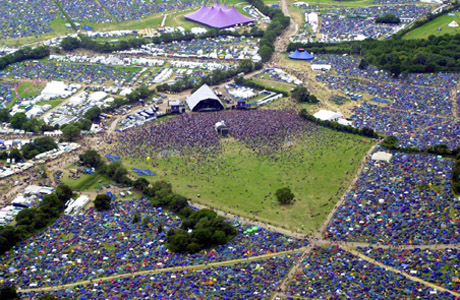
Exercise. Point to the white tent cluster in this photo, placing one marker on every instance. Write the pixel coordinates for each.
(30, 196)
(256, 14)
(55, 153)
(53, 90)
(312, 20)
(283, 76)
(74, 206)
(239, 52)
(111, 60)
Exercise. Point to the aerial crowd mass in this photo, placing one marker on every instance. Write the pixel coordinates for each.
(385, 225)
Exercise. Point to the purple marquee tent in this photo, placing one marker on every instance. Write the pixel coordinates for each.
(219, 16)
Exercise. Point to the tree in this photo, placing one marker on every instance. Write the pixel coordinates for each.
(284, 196)
(91, 159)
(70, 43)
(15, 154)
(93, 113)
(388, 19)
(8, 293)
(363, 64)
(300, 93)
(84, 124)
(140, 184)
(102, 202)
(265, 53)
(4, 115)
(64, 193)
(18, 120)
(70, 132)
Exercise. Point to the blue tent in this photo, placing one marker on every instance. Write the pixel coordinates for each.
(301, 54)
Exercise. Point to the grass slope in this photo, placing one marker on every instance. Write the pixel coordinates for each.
(236, 179)
(431, 28)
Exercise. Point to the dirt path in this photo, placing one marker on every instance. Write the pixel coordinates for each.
(391, 269)
(453, 98)
(163, 270)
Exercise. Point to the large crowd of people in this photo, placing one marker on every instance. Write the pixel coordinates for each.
(332, 273)
(261, 130)
(98, 244)
(406, 201)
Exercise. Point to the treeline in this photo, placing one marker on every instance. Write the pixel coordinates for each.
(84, 42)
(367, 132)
(208, 229)
(388, 19)
(26, 53)
(216, 77)
(435, 54)
(279, 22)
(252, 84)
(456, 176)
(138, 94)
(30, 150)
(20, 121)
(391, 143)
(29, 221)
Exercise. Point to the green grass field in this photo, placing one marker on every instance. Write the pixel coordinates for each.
(270, 84)
(431, 28)
(242, 182)
(26, 89)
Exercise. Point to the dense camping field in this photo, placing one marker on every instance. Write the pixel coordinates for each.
(240, 181)
(431, 28)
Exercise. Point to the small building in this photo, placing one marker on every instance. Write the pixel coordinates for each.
(327, 115)
(176, 106)
(204, 99)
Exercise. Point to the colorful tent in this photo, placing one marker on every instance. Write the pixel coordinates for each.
(218, 16)
(301, 54)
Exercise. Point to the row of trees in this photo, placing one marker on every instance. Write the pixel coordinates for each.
(20, 121)
(31, 220)
(391, 143)
(388, 19)
(83, 41)
(28, 151)
(8, 292)
(367, 132)
(216, 77)
(279, 22)
(435, 54)
(26, 53)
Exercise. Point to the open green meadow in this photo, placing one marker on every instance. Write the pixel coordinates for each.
(238, 180)
(26, 89)
(431, 28)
